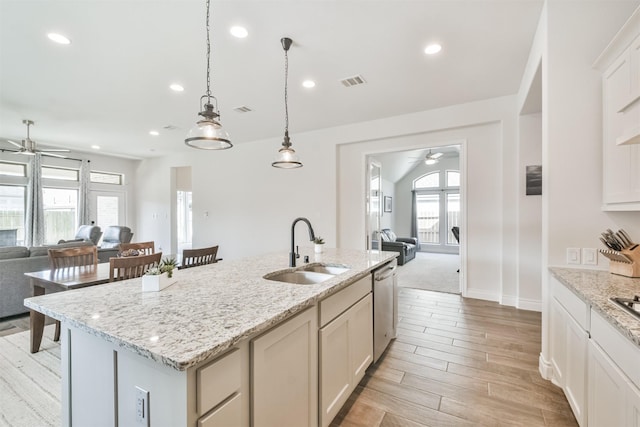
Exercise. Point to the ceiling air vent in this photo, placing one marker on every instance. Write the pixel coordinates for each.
(170, 127)
(242, 109)
(353, 81)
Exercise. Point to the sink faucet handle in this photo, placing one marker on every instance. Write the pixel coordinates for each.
(297, 252)
(306, 259)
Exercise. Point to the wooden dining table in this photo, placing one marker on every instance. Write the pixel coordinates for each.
(62, 279)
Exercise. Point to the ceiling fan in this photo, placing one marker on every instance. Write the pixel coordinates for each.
(28, 146)
(430, 158)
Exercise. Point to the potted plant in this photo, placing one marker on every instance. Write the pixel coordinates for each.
(318, 243)
(160, 277)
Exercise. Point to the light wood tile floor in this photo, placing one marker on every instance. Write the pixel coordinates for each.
(458, 362)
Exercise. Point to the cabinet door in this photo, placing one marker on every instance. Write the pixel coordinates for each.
(285, 373)
(575, 372)
(607, 388)
(361, 338)
(335, 369)
(346, 351)
(633, 406)
(557, 332)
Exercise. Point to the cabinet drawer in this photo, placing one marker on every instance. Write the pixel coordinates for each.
(624, 353)
(577, 308)
(218, 380)
(229, 414)
(333, 306)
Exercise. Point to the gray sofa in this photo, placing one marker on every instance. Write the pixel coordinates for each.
(17, 260)
(405, 246)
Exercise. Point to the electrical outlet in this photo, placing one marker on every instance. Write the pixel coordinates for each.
(589, 256)
(573, 255)
(142, 407)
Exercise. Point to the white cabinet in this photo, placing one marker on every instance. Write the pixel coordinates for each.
(346, 350)
(569, 318)
(606, 390)
(620, 63)
(285, 373)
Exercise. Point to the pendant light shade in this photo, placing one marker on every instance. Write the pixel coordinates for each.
(208, 134)
(286, 157)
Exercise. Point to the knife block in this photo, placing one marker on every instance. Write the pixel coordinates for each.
(627, 269)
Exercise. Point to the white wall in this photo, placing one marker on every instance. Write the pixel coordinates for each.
(387, 219)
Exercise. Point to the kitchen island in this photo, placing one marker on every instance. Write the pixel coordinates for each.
(216, 345)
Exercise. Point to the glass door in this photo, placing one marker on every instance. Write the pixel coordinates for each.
(107, 208)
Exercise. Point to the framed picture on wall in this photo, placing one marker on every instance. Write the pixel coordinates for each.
(387, 204)
(534, 180)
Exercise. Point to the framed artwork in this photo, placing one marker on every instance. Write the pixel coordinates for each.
(387, 204)
(534, 180)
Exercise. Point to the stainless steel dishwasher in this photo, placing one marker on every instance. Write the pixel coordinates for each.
(385, 307)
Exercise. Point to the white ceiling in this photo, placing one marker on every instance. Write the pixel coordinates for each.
(110, 86)
(397, 164)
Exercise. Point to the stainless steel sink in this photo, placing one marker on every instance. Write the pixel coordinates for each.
(327, 269)
(308, 274)
(300, 277)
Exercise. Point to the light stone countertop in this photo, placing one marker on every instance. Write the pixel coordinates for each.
(208, 310)
(596, 288)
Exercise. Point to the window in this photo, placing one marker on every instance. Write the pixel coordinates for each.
(437, 208)
(106, 178)
(184, 219)
(13, 169)
(60, 216)
(64, 174)
(430, 180)
(12, 205)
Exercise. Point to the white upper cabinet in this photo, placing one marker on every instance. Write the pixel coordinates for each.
(620, 63)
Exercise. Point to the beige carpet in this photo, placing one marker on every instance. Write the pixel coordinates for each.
(431, 272)
(29, 383)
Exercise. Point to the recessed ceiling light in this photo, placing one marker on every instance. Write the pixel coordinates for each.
(176, 87)
(239, 32)
(154, 132)
(95, 147)
(308, 84)
(59, 38)
(432, 48)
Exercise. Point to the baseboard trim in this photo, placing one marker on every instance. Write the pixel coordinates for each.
(529, 304)
(545, 368)
(483, 295)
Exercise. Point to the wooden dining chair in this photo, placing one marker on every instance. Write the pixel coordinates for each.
(145, 248)
(196, 257)
(130, 267)
(68, 258)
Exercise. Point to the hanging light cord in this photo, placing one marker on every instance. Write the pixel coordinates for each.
(286, 93)
(208, 58)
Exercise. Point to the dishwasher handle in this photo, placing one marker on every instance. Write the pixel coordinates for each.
(385, 272)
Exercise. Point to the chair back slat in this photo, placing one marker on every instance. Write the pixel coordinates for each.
(129, 267)
(146, 248)
(73, 257)
(196, 257)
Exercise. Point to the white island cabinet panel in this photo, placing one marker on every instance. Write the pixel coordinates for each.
(606, 390)
(285, 373)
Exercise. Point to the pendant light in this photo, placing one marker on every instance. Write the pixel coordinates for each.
(287, 157)
(208, 134)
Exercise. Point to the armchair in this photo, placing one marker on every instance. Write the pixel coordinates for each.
(405, 246)
(89, 232)
(116, 234)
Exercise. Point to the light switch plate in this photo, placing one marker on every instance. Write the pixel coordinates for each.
(573, 255)
(589, 256)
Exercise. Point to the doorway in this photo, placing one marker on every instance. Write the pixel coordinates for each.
(108, 208)
(421, 196)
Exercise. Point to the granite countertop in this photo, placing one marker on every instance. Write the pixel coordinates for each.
(596, 288)
(208, 310)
